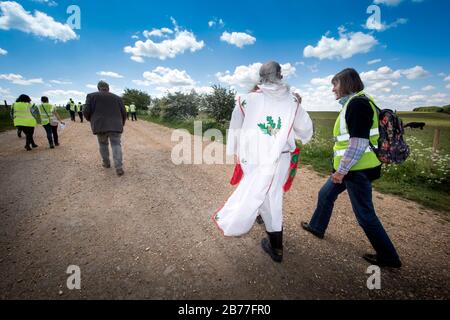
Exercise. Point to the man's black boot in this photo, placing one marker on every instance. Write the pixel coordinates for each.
(273, 245)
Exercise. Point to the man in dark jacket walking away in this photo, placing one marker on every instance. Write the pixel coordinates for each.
(106, 113)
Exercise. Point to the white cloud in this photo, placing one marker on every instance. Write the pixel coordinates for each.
(157, 32)
(19, 79)
(169, 48)
(166, 80)
(382, 26)
(384, 86)
(448, 86)
(373, 61)
(428, 88)
(386, 73)
(109, 74)
(61, 97)
(348, 45)
(3, 52)
(137, 59)
(50, 3)
(4, 91)
(247, 76)
(388, 2)
(383, 73)
(74, 93)
(166, 77)
(415, 73)
(406, 87)
(60, 82)
(439, 95)
(322, 81)
(447, 78)
(14, 16)
(215, 22)
(393, 3)
(318, 96)
(418, 98)
(239, 39)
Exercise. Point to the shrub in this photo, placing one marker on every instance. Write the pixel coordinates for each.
(220, 104)
(179, 106)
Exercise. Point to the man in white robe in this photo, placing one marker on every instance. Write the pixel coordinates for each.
(263, 130)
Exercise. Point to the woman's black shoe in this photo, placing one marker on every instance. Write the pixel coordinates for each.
(34, 146)
(306, 227)
(373, 260)
(28, 148)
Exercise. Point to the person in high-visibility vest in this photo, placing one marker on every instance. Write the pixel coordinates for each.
(133, 112)
(72, 110)
(127, 109)
(80, 111)
(24, 119)
(49, 119)
(355, 167)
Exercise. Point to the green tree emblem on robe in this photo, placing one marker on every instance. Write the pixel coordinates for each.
(271, 128)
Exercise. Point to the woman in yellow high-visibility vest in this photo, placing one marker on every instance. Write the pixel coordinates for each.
(49, 119)
(24, 119)
(355, 167)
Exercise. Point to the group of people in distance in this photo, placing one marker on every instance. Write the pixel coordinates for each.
(27, 117)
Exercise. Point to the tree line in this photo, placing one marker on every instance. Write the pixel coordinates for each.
(218, 105)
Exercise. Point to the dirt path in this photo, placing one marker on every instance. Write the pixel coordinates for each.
(149, 234)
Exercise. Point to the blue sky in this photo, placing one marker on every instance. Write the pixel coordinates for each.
(159, 46)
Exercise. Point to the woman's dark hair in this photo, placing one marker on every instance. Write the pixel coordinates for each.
(349, 80)
(23, 98)
(44, 99)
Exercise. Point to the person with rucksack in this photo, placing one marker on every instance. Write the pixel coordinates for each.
(49, 120)
(356, 166)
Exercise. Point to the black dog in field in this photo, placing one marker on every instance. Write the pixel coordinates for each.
(416, 125)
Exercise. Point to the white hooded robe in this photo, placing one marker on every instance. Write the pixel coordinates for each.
(262, 134)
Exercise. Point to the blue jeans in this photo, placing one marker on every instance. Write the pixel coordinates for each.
(359, 188)
(116, 146)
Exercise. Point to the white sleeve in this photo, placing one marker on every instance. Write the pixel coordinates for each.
(303, 126)
(237, 119)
